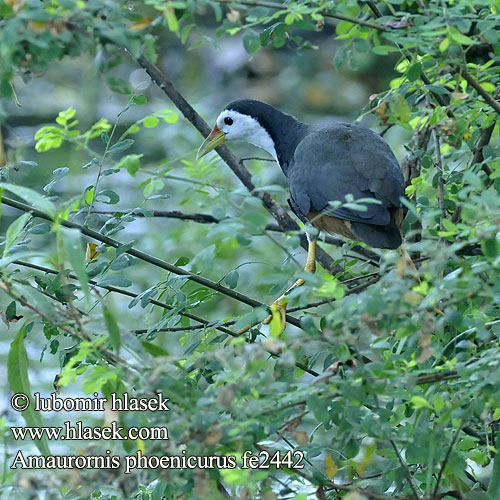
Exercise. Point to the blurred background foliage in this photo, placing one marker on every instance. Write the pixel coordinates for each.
(389, 386)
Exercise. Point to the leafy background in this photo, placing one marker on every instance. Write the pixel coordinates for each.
(389, 386)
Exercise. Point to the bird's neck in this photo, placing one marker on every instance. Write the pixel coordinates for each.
(280, 136)
(286, 140)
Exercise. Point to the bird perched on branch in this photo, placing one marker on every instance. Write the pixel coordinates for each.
(324, 164)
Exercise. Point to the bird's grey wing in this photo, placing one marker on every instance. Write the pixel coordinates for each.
(343, 159)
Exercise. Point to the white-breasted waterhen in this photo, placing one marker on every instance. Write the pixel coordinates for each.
(323, 163)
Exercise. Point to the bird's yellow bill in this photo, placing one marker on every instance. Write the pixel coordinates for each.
(215, 138)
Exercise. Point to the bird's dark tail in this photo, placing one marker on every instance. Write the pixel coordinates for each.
(388, 236)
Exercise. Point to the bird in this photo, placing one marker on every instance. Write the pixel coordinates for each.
(343, 178)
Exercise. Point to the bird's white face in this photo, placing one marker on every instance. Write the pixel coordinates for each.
(237, 126)
(232, 125)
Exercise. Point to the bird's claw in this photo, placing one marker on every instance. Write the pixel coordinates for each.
(278, 309)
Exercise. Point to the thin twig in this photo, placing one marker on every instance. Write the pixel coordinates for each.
(324, 13)
(405, 467)
(204, 323)
(439, 165)
(351, 291)
(446, 458)
(114, 358)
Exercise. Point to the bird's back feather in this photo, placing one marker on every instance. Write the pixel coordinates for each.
(338, 159)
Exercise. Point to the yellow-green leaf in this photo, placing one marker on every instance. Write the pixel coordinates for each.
(419, 402)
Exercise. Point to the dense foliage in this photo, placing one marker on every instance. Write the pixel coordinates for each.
(388, 383)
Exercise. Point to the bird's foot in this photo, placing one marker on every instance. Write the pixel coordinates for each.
(278, 310)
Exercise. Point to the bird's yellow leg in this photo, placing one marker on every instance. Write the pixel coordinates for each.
(279, 305)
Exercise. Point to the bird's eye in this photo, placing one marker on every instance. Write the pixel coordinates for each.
(228, 121)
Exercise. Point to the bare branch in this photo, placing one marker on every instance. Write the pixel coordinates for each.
(155, 261)
(205, 323)
(436, 377)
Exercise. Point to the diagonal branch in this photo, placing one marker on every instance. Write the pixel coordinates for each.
(350, 291)
(204, 323)
(235, 164)
(482, 92)
(155, 261)
(447, 457)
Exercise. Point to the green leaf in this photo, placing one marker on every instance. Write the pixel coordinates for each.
(185, 32)
(456, 37)
(115, 280)
(119, 86)
(490, 247)
(11, 311)
(437, 89)
(153, 349)
(172, 22)
(418, 402)
(251, 42)
(343, 27)
(112, 326)
(168, 115)
(5, 9)
(438, 403)
(17, 369)
(140, 100)
(113, 197)
(414, 72)
(150, 122)
(445, 43)
(76, 255)
(31, 197)
(449, 226)
(5, 261)
(275, 325)
(14, 230)
(231, 278)
(121, 146)
(383, 50)
(131, 163)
